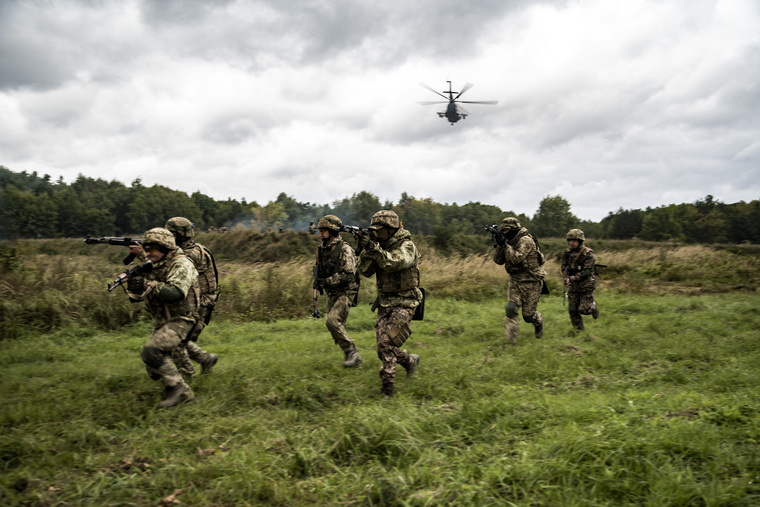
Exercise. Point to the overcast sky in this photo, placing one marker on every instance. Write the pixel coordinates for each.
(609, 104)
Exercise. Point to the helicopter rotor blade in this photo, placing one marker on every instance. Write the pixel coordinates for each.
(432, 90)
(430, 102)
(491, 102)
(466, 87)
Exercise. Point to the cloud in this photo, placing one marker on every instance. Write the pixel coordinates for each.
(610, 105)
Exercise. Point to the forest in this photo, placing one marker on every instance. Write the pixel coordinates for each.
(34, 206)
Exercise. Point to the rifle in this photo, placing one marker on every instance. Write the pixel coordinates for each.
(316, 288)
(497, 236)
(355, 231)
(147, 267)
(115, 240)
(564, 295)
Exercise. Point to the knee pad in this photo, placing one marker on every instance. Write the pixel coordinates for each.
(511, 310)
(400, 332)
(152, 357)
(572, 309)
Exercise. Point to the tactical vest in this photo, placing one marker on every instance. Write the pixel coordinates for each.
(530, 262)
(328, 259)
(159, 308)
(575, 262)
(207, 279)
(397, 281)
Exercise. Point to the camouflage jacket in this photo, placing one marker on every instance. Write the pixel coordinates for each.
(207, 275)
(337, 267)
(395, 266)
(520, 258)
(175, 270)
(581, 269)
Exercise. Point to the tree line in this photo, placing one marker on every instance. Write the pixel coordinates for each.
(33, 206)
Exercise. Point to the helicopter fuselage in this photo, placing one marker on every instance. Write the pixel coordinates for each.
(452, 113)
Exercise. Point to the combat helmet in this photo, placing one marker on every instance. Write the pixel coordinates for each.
(160, 237)
(181, 227)
(576, 234)
(385, 218)
(510, 223)
(330, 222)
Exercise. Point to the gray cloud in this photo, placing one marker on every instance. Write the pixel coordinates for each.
(609, 104)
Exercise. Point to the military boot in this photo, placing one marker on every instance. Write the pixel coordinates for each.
(352, 358)
(208, 363)
(387, 389)
(595, 311)
(411, 364)
(539, 330)
(175, 395)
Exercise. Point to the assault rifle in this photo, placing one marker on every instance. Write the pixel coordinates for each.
(317, 289)
(498, 237)
(355, 231)
(115, 240)
(140, 269)
(564, 295)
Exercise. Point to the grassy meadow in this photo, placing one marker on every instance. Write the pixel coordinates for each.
(655, 404)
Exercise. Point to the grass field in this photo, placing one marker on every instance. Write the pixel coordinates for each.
(655, 404)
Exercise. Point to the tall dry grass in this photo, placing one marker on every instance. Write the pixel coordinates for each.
(48, 284)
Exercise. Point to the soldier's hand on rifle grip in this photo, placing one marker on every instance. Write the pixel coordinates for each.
(136, 285)
(363, 241)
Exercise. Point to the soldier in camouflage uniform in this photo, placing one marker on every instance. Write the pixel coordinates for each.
(171, 294)
(336, 271)
(184, 232)
(393, 259)
(579, 270)
(520, 255)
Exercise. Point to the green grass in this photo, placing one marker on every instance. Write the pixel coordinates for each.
(656, 404)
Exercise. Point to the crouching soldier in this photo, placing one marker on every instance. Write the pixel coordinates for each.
(336, 273)
(172, 296)
(579, 270)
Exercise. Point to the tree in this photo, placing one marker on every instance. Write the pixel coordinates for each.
(553, 218)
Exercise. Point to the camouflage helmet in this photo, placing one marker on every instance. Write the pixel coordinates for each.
(509, 223)
(576, 234)
(330, 222)
(160, 237)
(180, 227)
(385, 218)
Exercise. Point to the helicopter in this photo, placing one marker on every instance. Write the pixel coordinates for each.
(454, 112)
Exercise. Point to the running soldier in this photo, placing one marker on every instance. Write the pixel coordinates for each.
(518, 251)
(336, 274)
(579, 270)
(393, 259)
(183, 231)
(171, 294)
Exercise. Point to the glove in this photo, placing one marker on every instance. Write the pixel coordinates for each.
(363, 241)
(136, 285)
(500, 239)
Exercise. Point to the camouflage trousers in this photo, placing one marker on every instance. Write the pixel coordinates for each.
(338, 306)
(523, 295)
(580, 303)
(157, 353)
(184, 354)
(389, 354)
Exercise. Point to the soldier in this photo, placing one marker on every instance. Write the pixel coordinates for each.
(312, 228)
(336, 272)
(183, 231)
(171, 294)
(519, 252)
(393, 259)
(579, 269)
